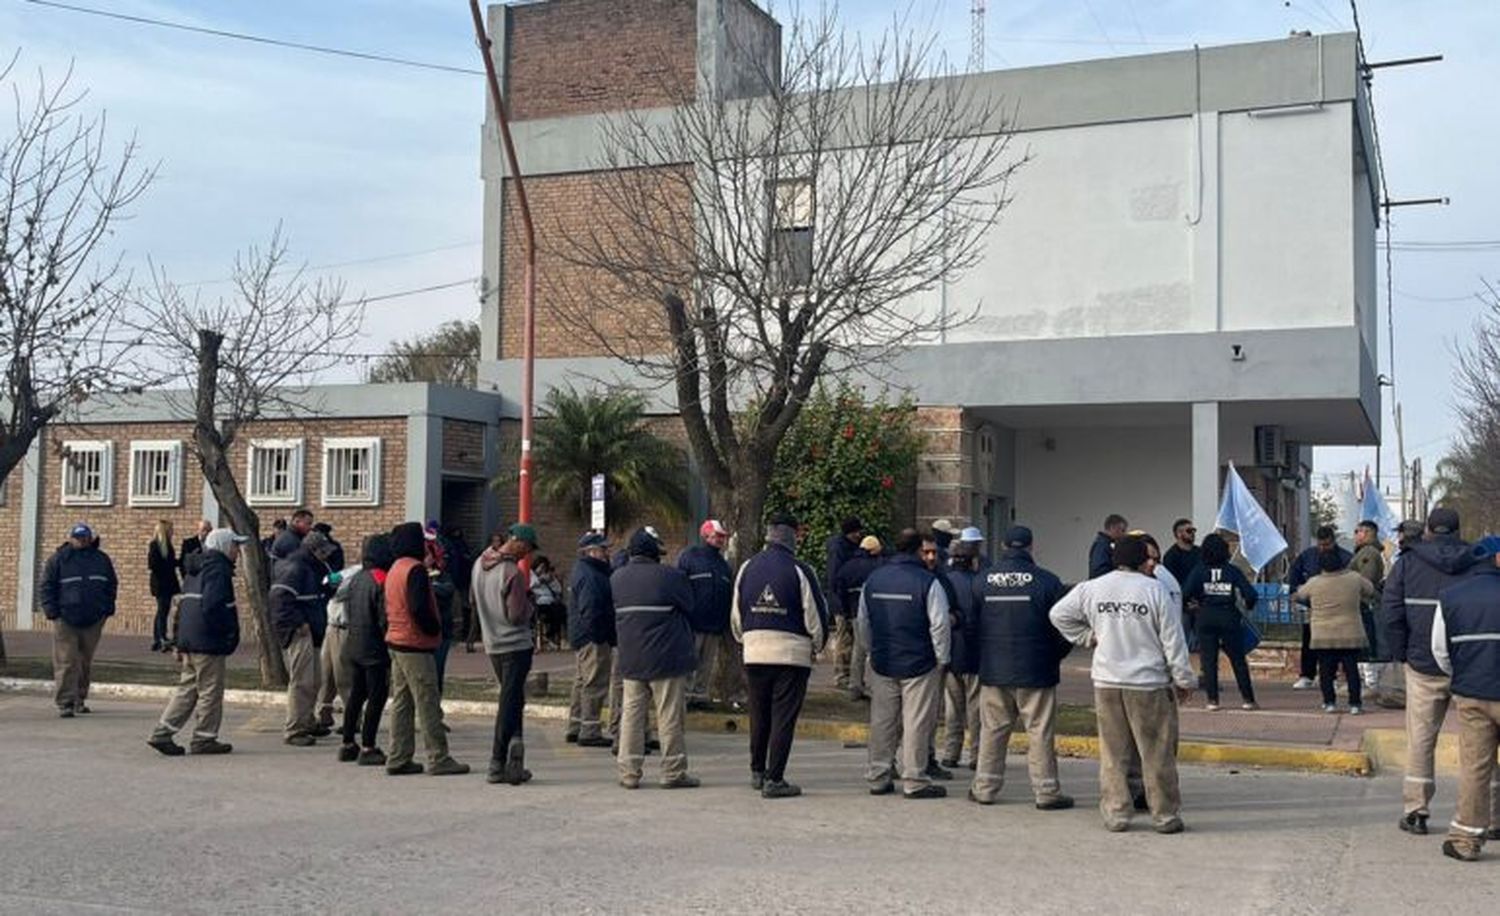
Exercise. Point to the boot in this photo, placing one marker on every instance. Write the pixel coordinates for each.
(448, 767)
(165, 746)
(209, 746)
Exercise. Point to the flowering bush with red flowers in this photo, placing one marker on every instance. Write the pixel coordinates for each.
(845, 456)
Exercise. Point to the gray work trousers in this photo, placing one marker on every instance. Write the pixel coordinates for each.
(902, 711)
(73, 651)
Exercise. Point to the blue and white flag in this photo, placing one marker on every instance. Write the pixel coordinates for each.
(1260, 540)
(1374, 508)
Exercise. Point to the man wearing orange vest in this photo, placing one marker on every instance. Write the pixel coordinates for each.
(413, 634)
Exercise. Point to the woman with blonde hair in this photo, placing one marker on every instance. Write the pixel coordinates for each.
(161, 560)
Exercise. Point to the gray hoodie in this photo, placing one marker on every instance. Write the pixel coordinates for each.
(1135, 628)
(504, 612)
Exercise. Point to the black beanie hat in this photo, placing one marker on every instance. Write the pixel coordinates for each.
(408, 540)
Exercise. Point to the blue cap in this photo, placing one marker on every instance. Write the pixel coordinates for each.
(1018, 537)
(81, 530)
(1487, 547)
(592, 539)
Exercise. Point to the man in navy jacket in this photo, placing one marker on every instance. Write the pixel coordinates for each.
(591, 633)
(712, 583)
(1020, 658)
(653, 609)
(78, 595)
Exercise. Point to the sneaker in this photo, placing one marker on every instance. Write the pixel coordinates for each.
(1210, 707)
(630, 782)
(1414, 823)
(210, 746)
(1356, 710)
(371, 757)
(885, 788)
(348, 753)
(65, 712)
(685, 781)
(570, 738)
(1168, 827)
(927, 791)
(1250, 706)
(409, 768)
(1055, 803)
(301, 740)
(757, 781)
(1303, 683)
(515, 761)
(166, 746)
(597, 741)
(450, 767)
(982, 801)
(780, 789)
(1462, 854)
(936, 770)
(1330, 707)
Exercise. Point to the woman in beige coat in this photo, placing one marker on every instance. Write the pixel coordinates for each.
(1338, 634)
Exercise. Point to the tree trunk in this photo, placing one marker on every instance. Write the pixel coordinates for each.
(213, 457)
(746, 503)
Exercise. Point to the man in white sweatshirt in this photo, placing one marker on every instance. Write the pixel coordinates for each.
(1140, 662)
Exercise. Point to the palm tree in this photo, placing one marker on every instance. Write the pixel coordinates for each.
(585, 433)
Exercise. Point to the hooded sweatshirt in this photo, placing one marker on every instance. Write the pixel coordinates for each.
(1139, 643)
(501, 601)
(1411, 592)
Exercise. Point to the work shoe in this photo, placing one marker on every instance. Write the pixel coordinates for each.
(570, 738)
(409, 768)
(65, 712)
(685, 781)
(348, 753)
(780, 788)
(885, 788)
(1303, 683)
(1055, 803)
(449, 767)
(82, 709)
(515, 761)
(166, 746)
(630, 782)
(1117, 826)
(1171, 826)
(757, 781)
(210, 746)
(927, 791)
(1414, 823)
(302, 740)
(596, 741)
(371, 757)
(1462, 853)
(935, 770)
(984, 801)
(496, 775)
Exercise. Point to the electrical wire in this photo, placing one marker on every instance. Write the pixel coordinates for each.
(375, 259)
(256, 39)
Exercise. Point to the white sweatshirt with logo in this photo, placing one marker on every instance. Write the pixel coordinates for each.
(1135, 628)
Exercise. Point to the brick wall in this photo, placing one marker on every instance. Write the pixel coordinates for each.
(575, 304)
(10, 544)
(570, 57)
(463, 446)
(945, 481)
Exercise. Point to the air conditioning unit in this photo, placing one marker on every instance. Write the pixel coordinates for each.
(1270, 447)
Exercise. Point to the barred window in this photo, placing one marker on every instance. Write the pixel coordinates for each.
(275, 472)
(793, 210)
(351, 472)
(156, 473)
(88, 473)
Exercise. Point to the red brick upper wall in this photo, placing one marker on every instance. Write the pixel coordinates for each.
(570, 57)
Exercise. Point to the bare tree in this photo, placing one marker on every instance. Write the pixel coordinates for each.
(1468, 477)
(244, 358)
(448, 355)
(748, 243)
(62, 191)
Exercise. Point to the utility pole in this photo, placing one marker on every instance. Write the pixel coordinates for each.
(976, 37)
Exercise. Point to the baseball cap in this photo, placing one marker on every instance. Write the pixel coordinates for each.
(525, 533)
(1486, 547)
(592, 539)
(81, 530)
(971, 535)
(1018, 537)
(220, 538)
(712, 526)
(645, 543)
(870, 544)
(1442, 520)
(943, 525)
(784, 518)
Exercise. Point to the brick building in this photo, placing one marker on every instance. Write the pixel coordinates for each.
(1185, 275)
(363, 458)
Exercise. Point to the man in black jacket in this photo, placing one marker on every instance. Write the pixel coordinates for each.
(850, 658)
(1020, 658)
(192, 545)
(208, 632)
(712, 583)
(1408, 603)
(653, 605)
(78, 595)
(842, 548)
(591, 633)
(1184, 554)
(299, 616)
(1101, 552)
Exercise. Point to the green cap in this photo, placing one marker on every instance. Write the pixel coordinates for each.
(524, 533)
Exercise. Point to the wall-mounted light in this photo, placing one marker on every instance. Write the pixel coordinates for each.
(1237, 352)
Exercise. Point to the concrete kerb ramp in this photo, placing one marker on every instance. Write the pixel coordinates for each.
(1383, 747)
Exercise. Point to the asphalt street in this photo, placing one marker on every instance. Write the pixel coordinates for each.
(92, 820)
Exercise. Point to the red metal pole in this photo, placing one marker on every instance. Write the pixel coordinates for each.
(528, 239)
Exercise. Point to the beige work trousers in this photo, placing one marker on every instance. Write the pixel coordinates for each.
(200, 687)
(617, 704)
(1000, 709)
(902, 712)
(706, 647)
(1478, 773)
(1144, 722)
(73, 651)
(301, 684)
(334, 676)
(1427, 700)
(960, 716)
(590, 687)
(670, 695)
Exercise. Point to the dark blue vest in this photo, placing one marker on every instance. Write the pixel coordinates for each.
(1471, 612)
(900, 632)
(1018, 646)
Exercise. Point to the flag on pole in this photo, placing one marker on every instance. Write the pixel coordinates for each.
(1260, 540)
(1374, 508)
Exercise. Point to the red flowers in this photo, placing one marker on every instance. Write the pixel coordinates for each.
(887, 482)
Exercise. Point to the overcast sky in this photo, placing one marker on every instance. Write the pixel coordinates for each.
(377, 164)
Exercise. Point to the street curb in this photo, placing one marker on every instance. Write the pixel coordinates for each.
(1378, 742)
(1387, 750)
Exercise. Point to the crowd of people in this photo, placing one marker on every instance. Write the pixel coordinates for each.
(930, 627)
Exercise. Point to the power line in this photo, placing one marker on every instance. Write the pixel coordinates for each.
(1470, 297)
(256, 39)
(395, 256)
(413, 292)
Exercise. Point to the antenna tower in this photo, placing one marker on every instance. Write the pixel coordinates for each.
(976, 36)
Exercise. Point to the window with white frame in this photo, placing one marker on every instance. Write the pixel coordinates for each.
(88, 469)
(793, 210)
(156, 473)
(351, 472)
(275, 472)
